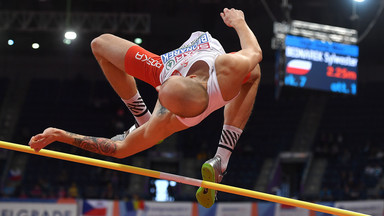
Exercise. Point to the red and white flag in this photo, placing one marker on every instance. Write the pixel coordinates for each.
(299, 67)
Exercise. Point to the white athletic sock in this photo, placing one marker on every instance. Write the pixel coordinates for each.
(138, 109)
(228, 140)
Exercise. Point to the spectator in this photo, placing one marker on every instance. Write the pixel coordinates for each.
(73, 191)
(108, 192)
(8, 190)
(36, 191)
(325, 194)
(62, 193)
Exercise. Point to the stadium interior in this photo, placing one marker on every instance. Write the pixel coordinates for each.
(301, 143)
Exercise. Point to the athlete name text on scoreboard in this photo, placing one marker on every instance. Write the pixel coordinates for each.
(319, 56)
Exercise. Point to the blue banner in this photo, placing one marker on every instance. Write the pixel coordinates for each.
(324, 46)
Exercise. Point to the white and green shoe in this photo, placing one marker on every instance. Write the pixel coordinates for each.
(211, 171)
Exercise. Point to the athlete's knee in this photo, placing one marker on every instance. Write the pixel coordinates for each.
(98, 42)
(255, 75)
(257, 72)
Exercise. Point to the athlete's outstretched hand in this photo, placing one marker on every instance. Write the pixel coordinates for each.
(42, 140)
(232, 17)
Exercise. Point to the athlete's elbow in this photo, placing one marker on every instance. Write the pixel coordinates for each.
(117, 150)
(122, 154)
(119, 156)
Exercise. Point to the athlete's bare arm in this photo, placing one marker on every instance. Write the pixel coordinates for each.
(161, 125)
(232, 68)
(249, 44)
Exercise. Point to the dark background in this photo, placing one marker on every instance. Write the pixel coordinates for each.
(66, 89)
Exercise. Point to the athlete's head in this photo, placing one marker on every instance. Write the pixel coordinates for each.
(183, 96)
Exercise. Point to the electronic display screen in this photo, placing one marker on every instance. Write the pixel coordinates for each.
(321, 65)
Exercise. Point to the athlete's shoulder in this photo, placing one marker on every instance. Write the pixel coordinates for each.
(225, 63)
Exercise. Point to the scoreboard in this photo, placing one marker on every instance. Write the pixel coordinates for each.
(321, 65)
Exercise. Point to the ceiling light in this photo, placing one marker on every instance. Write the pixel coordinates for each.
(70, 35)
(138, 40)
(35, 46)
(67, 41)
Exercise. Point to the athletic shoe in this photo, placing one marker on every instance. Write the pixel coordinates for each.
(121, 137)
(211, 171)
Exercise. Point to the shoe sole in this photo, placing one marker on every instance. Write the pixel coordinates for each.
(205, 196)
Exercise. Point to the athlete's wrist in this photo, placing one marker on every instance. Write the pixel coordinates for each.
(62, 135)
(240, 25)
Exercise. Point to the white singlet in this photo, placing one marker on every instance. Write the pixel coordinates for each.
(199, 47)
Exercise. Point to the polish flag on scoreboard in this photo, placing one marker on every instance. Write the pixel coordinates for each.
(298, 67)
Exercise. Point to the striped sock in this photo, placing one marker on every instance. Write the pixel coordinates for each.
(228, 140)
(138, 109)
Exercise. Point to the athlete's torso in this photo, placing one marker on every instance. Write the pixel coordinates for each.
(199, 47)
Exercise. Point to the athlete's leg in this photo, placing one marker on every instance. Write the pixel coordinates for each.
(110, 51)
(239, 110)
(236, 115)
